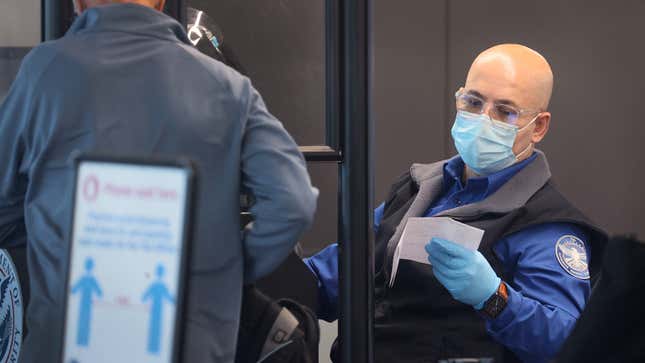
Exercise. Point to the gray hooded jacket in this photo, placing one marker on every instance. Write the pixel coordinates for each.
(126, 80)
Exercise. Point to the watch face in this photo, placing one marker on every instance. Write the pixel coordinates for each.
(495, 305)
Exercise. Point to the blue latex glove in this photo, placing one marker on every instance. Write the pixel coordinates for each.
(466, 274)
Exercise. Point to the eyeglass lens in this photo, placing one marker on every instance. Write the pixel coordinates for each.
(500, 112)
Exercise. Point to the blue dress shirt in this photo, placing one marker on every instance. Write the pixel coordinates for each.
(544, 299)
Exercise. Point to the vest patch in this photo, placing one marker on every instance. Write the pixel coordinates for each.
(10, 310)
(572, 256)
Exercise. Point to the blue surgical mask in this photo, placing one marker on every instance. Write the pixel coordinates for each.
(485, 145)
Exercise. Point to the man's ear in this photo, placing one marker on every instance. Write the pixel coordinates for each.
(79, 6)
(161, 5)
(542, 123)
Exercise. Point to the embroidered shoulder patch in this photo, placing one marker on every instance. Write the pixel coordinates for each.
(572, 256)
(10, 310)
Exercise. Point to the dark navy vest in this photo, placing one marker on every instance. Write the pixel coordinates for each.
(417, 320)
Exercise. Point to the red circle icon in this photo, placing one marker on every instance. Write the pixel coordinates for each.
(91, 188)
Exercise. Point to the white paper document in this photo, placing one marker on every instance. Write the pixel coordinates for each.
(419, 231)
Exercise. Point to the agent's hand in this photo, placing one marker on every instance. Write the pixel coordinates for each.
(466, 274)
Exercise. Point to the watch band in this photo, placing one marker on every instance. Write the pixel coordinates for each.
(496, 303)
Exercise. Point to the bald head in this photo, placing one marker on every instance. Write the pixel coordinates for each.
(519, 77)
(513, 72)
(82, 5)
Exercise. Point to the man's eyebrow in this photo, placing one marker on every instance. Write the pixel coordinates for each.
(507, 102)
(476, 94)
(503, 102)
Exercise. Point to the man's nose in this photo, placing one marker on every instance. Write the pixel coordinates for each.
(488, 107)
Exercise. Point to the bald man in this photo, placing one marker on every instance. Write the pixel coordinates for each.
(519, 295)
(126, 80)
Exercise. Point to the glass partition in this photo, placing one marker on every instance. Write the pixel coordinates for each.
(280, 46)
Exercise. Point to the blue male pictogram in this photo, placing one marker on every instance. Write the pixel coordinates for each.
(158, 293)
(87, 286)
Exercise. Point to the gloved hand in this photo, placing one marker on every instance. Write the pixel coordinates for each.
(466, 274)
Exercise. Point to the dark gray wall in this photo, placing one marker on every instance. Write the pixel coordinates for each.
(594, 145)
(281, 45)
(409, 82)
(19, 23)
(422, 53)
(19, 30)
(422, 50)
(283, 52)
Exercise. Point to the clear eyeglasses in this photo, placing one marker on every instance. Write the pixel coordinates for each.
(499, 111)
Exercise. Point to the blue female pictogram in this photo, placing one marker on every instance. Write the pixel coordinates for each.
(158, 293)
(87, 286)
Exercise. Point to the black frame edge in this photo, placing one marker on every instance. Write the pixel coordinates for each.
(56, 18)
(320, 154)
(356, 328)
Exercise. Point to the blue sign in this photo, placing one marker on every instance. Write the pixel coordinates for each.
(157, 293)
(125, 263)
(87, 286)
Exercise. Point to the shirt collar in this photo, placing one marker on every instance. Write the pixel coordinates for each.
(453, 170)
(129, 18)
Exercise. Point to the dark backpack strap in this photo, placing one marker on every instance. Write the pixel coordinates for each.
(257, 317)
(281, 331)
(302, 346)
(308, 326)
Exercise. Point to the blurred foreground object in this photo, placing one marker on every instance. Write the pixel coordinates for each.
(612, 327)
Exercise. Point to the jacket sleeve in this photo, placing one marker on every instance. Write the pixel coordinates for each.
(545, 298)
(15, 113)
(275, 174)
(324, 265)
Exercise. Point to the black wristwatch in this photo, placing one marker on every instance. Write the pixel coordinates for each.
(496, 303)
